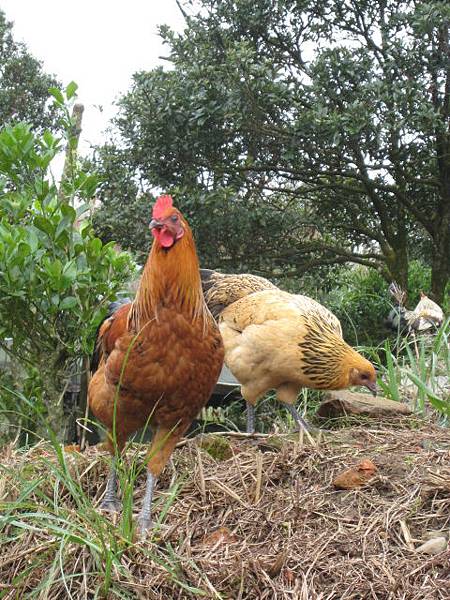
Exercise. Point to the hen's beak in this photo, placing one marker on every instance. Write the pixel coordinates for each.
(155, 224)
(372, 386)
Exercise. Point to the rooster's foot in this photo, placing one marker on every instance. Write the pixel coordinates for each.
(112, 506)
(145, 516)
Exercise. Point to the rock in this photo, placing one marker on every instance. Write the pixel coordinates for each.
(342, 403)
(429, 535)
(356, 476)
(433, 546)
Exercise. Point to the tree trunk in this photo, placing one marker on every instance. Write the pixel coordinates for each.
(397, 263)
(440, 267)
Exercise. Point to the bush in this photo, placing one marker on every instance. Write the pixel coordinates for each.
(56, 277)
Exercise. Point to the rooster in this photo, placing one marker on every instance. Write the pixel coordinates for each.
(281, 341)
(426, 317)
(159, 356)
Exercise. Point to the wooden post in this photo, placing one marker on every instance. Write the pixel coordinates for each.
(71, 148)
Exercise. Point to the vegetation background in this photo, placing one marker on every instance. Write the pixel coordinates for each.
(307, 142)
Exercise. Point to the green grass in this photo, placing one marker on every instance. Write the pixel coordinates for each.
(415, 366)
(48, 506)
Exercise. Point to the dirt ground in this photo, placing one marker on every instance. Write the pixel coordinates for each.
(261, 519)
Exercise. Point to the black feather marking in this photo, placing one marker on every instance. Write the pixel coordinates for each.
(322, 351)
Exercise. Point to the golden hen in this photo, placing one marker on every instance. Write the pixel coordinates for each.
(163, 350)
(282, 341)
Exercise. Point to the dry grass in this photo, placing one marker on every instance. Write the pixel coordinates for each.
(287, 533)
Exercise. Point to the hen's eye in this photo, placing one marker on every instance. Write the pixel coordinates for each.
(364, 376)
(174, 218)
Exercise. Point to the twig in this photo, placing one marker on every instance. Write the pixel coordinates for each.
(259, 465)
(406, 535)
(201, 474)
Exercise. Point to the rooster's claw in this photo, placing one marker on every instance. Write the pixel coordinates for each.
(113, 506)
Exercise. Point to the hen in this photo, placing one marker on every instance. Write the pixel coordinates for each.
(281, 341)
(160, 356)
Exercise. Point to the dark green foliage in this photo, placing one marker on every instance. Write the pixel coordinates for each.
(56, 276)
(319, 129)
(124, 214)
(24, 86)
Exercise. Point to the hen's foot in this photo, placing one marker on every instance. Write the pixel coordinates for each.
(112, 506)
(110, 502)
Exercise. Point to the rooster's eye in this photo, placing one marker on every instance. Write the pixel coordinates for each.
(174, 218)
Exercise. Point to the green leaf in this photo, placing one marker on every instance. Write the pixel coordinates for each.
(71, 90)
(68, 303)
(44, 224)
(57, 94)
(95, 245)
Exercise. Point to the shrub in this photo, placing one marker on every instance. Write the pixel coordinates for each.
(56, 277)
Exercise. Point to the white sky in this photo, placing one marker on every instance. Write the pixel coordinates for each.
(98, 44)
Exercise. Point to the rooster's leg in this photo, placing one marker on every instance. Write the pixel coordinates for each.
(163, 443)
(145, 516)
(110, 501)
(250, 418)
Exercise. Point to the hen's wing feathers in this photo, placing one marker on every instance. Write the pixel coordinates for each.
(274, 305)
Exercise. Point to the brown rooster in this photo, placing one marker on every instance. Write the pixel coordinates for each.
(281, 341)
(163, 353)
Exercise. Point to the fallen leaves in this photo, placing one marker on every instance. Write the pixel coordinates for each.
(355, 477)
(220, 536)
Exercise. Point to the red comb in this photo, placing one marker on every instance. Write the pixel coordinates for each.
(161, 205)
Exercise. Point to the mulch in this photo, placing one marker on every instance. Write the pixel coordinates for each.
(261, 521)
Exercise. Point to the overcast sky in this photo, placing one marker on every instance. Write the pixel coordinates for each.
(97, 43)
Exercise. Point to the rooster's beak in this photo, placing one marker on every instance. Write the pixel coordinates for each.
(155, 224)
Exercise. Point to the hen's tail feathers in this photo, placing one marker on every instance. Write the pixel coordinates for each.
(97, 354)
(208, 278)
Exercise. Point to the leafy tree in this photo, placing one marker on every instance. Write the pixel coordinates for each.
(124, 213)
(24, 86)
(327, 119)
(56, 276)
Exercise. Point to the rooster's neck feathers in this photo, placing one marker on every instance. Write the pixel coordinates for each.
(170, 279)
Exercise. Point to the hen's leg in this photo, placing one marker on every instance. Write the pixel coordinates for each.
(297, 418)
(163, 443)
(250, 418)
(145, 516)
(288, 393)
(251, 395)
